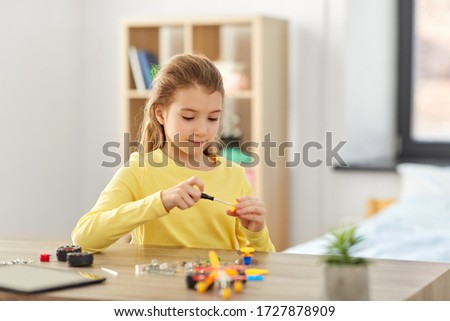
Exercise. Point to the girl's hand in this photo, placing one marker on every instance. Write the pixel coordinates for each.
(251, 212)
(183, 195)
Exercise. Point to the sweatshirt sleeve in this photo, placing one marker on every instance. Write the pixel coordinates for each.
(260, 241)
(119, 210)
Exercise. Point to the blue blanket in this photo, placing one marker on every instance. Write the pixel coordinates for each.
(415, 229)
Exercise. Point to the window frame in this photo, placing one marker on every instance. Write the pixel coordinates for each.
(409, 149)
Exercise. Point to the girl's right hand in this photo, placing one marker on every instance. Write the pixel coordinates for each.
(183, 195)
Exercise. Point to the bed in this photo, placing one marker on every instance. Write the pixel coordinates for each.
(415, 227)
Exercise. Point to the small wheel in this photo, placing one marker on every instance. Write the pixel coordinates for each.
(190, 282)
(201, 287)
(226, 293)
(237, 286)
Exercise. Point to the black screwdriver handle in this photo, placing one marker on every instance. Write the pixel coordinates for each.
(206, 196)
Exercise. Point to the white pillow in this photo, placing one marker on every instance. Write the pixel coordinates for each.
(422, 179)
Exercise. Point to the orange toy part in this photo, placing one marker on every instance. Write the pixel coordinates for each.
(247, 250)
(214, 260)
(233, 208)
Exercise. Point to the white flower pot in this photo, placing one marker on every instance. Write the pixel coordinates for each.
(346, 282)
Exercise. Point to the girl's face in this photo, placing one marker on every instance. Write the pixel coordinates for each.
(190, 122)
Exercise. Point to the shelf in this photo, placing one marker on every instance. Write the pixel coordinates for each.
(138, 94)
(143, 94)
(243, 94)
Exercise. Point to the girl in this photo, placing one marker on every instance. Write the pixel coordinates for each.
(156, 195)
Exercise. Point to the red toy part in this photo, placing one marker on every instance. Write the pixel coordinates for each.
(45, 257)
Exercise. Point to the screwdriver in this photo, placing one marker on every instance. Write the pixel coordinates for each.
(212, 198)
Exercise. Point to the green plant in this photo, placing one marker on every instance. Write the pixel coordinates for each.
(341, 244)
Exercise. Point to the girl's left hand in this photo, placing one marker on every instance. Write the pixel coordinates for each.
(251, 212)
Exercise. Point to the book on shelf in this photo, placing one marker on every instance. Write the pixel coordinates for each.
(147, 61)
(136, 68)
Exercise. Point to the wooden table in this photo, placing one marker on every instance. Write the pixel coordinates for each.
(292, 276)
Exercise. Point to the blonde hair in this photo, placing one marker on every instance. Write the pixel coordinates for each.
(181, 72)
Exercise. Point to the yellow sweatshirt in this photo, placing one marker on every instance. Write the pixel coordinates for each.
(132, 202)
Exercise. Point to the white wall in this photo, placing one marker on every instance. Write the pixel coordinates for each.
(40, 122)
(70, 105)
(360, 106)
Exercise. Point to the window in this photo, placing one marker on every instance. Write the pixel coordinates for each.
(424, 79)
